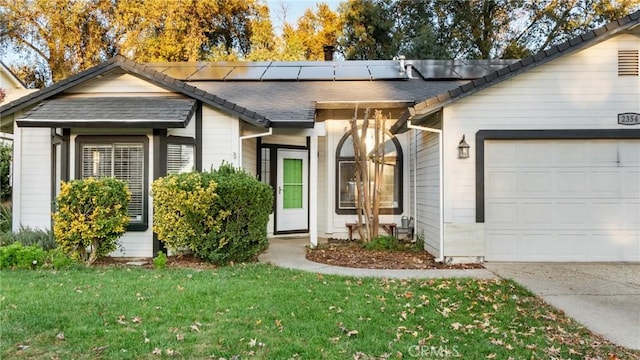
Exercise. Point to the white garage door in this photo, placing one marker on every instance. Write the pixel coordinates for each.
(562, 200)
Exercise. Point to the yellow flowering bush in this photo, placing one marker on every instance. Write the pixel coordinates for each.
(91, 216)
(185, 210)
(220, 215)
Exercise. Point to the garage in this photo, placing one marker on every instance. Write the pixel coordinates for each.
(562, 200)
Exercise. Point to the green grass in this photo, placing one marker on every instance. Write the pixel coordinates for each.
(263, 312)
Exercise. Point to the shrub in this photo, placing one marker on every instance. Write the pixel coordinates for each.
(243, 235)
(5, 167)
(17, 256)
(160, 261)
(5, 218)
(27, 237)
(91, 215)
(221, 216)
(382, 243)
(185, 210)
(57, 259)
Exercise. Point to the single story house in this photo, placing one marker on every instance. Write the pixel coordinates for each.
(552, 172)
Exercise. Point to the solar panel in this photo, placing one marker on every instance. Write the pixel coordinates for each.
(246, 73)
(316, 73)
(352, 73)
(212, 73)
(387, 72)
(182, 72)
(281, 73)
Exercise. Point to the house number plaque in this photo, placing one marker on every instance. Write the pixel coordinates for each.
(629, 119)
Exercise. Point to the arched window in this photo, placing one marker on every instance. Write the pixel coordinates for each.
(391, 187)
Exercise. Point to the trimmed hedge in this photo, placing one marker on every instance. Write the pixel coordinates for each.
(221, 216)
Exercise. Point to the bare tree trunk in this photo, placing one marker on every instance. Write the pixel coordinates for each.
(360, 175)
(369, 171)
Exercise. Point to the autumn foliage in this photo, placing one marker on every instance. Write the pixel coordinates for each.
(91, 215)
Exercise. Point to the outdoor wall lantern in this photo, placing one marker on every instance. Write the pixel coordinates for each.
(463, 149)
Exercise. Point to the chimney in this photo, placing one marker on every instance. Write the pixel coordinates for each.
(328, 52)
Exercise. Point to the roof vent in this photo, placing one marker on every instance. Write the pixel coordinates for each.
(628, 63)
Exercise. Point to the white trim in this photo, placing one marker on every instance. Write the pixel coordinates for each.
(313, 191)
(16, 192)
(441, 180)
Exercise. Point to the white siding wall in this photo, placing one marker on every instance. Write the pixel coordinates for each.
(32, 178)
(189, 131)
(425, 181)
(219, 138)
(577, 91)
(250, 155)
(117, 83)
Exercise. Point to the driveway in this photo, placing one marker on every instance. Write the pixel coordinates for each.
(603, 297)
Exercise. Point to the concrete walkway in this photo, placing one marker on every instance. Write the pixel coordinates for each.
(604, 297)
(290, 253)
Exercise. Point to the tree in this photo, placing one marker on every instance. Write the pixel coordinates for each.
(368, 30)
(415, 28)
(188, 30)
(369, 168)
(263, 40)
(61, 36)
(485, 29)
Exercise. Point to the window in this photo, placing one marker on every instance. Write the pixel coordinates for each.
(391, 184)
(180, 158)
(124, 160)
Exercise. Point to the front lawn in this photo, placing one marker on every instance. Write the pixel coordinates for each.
(263, 312)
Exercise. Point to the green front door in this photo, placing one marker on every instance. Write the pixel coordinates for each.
(291, 195)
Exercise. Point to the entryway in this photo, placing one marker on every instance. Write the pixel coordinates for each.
(292, 190)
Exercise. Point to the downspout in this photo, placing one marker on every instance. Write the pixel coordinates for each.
(441, 180)
(270, 132)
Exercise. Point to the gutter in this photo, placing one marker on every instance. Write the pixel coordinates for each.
(441, 180)
(270, 132)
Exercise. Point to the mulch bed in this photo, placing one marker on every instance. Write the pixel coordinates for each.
(178, 261)
(351, 254)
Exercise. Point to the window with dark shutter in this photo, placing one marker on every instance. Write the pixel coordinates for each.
(123, 161)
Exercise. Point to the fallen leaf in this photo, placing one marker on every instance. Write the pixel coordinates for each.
(137, 320)
(352, 333)
(156, 351)
(99, 348)
(195, 328)
(492, 356)
(179, 337)
(60, 336)
(252, 342)
(456, 325)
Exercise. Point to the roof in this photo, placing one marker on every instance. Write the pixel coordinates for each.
(285, 94)
(434, 103)
(139, 70)
(294, 104)
(145, 112)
